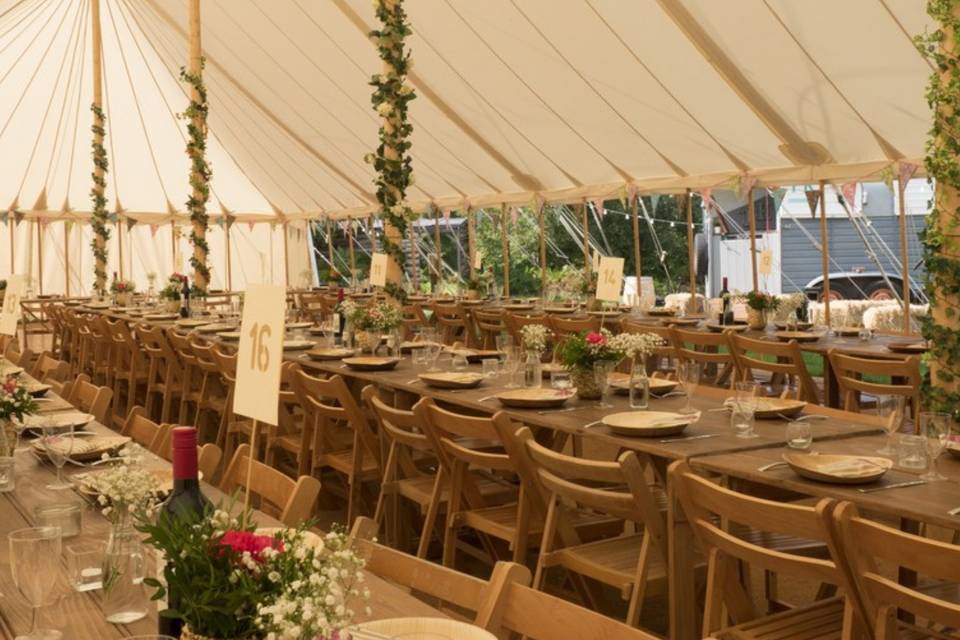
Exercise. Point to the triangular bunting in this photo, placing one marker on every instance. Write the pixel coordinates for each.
(514, 214)
(849, 192)
(113, 216)
(746, 185)
(250, 224)
(131, 223)
(230, 218)
(153, 230)
(706, 195)
(598, 207)
(813, 201)
(446, 216)
(654, 199)
(5, 217)
(18, 217)
(905, 171)
(67, 226)
(778, 195)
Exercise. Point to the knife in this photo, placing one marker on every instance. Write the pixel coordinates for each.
(685, 438)
(895, 485)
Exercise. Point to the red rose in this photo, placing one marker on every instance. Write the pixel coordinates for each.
(240, 541)
(595, 338)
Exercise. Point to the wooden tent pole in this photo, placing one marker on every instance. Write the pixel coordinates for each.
(12, 227)
(691, 252)
(226, 230)
(585, 227)
(414, 257)
(96, 42)
(353, 254)
(173, 245)
(505, 244)
(752, 216)
(472, 240)
(330, 243)
(438, 249)
(120, 246)
(39, 228)
(66, 254)
(635, 215)
(904, 254)
(543, 248)
(199, 121)
(825, 253)
(286, 253)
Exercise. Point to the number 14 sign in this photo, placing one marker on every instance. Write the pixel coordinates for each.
(260, 353)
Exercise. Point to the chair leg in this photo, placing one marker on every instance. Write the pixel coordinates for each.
(430, 519)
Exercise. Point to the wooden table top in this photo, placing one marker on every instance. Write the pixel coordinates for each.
(79, 615)
(929, 502)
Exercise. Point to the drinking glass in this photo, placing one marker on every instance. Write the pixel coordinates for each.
(601, 376)
(504, 341)
(458, 362)
(85, 565)
(560, 380)
(58, 445)
(433, 356)
(490, 367)
(688, 372)
(510, 364)
(799, 435)
(35, 566)
(891, 409)
(865, 334)
(935, 427)
(744, 406)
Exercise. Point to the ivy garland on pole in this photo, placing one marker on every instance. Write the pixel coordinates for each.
(200, 174)
(939, 237)
(99, 218)
(390, 99)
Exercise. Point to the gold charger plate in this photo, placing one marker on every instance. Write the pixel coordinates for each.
(421, 629)
(191, 322)
(648, 424)
(847, 332)
(477, 355)
(559, 310)
(452, 379)
(518, 307)
(37, 389)
(620, 383)
(533, 398)
(329, 354)
(161, 316)
(686, 322)
(229, 335)
(297, 345)
(410, 345)
(720, 328)
(837, 469)
(85, 448)
(215, 327)
(371, 363)
(908, 347)
(799, 336)
(661, 311)
(293, 326)
(65, 419)
(773, 408)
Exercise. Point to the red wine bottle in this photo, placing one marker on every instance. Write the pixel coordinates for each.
(185, 500)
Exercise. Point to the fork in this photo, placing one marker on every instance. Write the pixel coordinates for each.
(772, 465)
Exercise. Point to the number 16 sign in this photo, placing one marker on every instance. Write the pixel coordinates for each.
(260, 353)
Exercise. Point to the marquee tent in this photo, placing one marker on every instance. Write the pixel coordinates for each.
(518, 101)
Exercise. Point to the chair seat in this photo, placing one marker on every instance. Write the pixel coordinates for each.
(501, 521)
(420, 489)
(820, 621)
(611, 561)
(780, 542)
(342, 461)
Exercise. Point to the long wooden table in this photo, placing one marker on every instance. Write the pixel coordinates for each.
(80, 615)
(722, 453)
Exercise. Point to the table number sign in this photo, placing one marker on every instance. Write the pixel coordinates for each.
(260, 353)
(766, 262)
(609, 279)
(378, 270)
(10, 313)
(477, 260)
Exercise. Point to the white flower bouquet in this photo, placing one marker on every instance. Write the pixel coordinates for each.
(535, 337)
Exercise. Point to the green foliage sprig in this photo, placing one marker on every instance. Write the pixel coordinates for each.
(99, 217)
(390, 98)
(942, 279)
(200, 174)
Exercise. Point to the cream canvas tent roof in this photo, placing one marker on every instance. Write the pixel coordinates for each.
(561, 99)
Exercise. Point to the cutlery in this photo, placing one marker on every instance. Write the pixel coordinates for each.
(672, 394)
(895, 485)
(592, 424)
(685, 438)
(955, 511)
(363, 634)
(485, 398)
(811, 416)
(772, 465)
(546, 411)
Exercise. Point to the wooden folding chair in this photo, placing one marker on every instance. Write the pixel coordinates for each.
(89, 398)
(516, 321)
(293, 435)
(291, 502)
(489, 325)
(213, 393)
(329, 406)
(634, 560)
(860, 545)
(144, 431)
(782, 360)
(451, 322)
(192, 393)
(164, 373)
(233, 428)
(48, 368)
(730, 612)
(849, 372)
(130, 368)
(563, 327)
(712, 351)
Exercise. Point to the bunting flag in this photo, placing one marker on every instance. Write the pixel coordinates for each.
(654, 199)
(905, 171)
(887, 176)
(5, 217)
(849, 192)
(17, 217)
(632, 191)
(67, 225)
(514, 214)
(446, 216)
(778, 196)
(153, 230)
(598, 207)
(624, 196)
(43, 221)
(131, 223)
(222, 222)
(250, 224)
(113, 217)
(746, 184)
(813, 201)
(230, 218)
(706, 195)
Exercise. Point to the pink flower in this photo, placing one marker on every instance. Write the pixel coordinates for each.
(595, 338)
(240, 541)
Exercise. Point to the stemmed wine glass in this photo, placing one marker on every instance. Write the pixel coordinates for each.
(935, 427)
(688, 372)
(58, 445)
(744, 409)
(35, 565)
(891, 409)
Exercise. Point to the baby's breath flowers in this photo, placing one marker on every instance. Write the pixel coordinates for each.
(126, 488)
(535, 337)
(636, 345)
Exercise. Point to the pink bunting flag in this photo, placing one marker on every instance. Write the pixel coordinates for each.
(514, 214)
(446, 216)
(153, 230)
(746, 185)
(631, 192)
(849, 192)
(905, 171)
(598, 206)
(707, 196)
(813, 201)
(250, 224)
